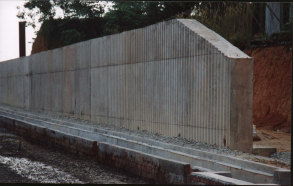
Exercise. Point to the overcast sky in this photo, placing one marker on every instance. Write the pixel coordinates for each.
(9, 38)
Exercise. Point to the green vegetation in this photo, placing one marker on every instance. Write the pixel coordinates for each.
(233, 21)
(46, 10)
(83, 20)
(131, 15)
(62, 32)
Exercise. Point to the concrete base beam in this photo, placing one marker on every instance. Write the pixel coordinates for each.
(256, 137)
(202, 169)
(263, 150)
(283, 177)
(223, 173)
(217, 164)
(152, 168)
(208, 178)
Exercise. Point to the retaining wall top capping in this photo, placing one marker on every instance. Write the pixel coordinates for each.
(216, 40)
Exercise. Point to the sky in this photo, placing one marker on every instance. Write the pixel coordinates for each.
(9, 38)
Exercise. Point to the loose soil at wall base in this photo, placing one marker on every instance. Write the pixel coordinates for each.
(36, 164)
(280, 140)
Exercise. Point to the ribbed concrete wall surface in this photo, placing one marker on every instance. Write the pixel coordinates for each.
(176, 78)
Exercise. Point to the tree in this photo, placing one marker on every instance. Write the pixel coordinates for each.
(122, 17)
(131, 15)
(125, 16)
(46, 10)
(233, 21)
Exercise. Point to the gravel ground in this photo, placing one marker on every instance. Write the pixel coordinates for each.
(279, 159)
(38, 164)
(8, 175)
(283, 156)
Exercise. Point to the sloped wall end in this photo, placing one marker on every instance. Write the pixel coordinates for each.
(241, 112)
(217, 41)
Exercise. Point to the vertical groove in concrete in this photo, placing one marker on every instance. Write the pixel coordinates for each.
(171, 78)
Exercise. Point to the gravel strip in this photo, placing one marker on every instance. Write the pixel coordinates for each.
(45, 164)
(37, 171)
(279, 159)
(282, 156)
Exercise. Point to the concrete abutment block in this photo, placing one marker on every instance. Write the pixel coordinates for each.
(283, 177)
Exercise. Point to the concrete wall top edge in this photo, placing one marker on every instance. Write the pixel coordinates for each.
(213, 38)
(7, 61)
(218, 41)
(221, 44)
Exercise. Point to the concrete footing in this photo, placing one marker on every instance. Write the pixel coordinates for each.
(255, 135)
(152, 160)
(209, 178)
(283, 177)
(201, 169)
(263, 150)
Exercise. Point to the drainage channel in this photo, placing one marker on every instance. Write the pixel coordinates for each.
(203, 165)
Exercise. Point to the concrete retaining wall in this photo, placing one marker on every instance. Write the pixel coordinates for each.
(174, 78)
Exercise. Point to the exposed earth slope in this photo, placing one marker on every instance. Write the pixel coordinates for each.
(272, 99)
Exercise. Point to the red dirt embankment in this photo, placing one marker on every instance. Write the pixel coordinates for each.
(272, 97)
